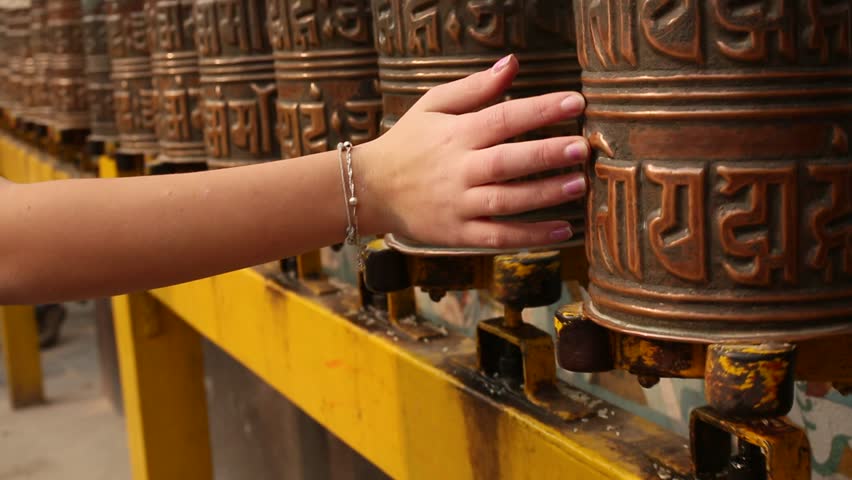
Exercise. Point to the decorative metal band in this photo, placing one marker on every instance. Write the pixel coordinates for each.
(417, 76)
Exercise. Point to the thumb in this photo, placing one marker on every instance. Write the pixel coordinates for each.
(472, 92)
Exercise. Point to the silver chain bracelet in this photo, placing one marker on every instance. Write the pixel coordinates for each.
(350, 199)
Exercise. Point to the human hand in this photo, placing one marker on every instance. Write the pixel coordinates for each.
(437, 176)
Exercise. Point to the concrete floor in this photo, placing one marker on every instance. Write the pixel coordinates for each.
(76, 435)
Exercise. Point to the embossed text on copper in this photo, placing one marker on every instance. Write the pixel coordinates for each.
(17, 37)
(174, 63)
(98, 83)
(38, 95)
(129, 54)
(326, 73)
(4, 56)
(68, 99)
(424, 43)
(237, 82)
(721, 194)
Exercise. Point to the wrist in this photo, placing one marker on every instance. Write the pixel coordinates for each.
(371, 189)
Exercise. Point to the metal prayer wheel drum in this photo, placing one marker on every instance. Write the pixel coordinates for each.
(4, 55)
(39, 93)
(98, 83)
(17, 37)
(69, 108)
(129, 53)
(174, 63)
(326, 73)
(721, 193)
(237, 82)
(425, 44)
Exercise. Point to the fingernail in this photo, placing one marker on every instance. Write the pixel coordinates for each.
(561, 234)
(577, 152)
(501, 64)
(575, 186)
(573, 103)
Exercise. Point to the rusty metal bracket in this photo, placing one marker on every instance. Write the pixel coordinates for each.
(770, 449)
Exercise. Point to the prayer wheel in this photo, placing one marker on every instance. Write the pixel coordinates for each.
(4, 55)
(237, 82)
(174, 63)
(17, 37)
(130, 61)
(38, 98)
(424, 45)
(66, 83)
(98, 83)
(326, 73)
(721, 190)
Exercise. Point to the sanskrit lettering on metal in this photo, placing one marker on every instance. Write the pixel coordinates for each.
(134, 95)
(4, 56)
(237, 82)
(721, 194)
(38, 94)
(20, 59)
(174, 62)
(326, 73)
(66, 66)
(98, 83)
(423, 43)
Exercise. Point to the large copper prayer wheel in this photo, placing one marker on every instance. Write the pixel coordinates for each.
(326, 73)
(174, 63)
(17, 37)
(69, 108)
(98, 82)
(237, 82)
(130, 61)
(4, 56)
(38, 96)
(424, 44)
(720, 203)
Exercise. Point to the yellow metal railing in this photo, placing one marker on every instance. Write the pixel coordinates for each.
(414, 409)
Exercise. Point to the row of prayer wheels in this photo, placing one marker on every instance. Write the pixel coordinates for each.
(232, 82)
(720, 195)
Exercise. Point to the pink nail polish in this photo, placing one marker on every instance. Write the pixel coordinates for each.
(575, 186)
(501, 64)
(577, 152)
(561, 234)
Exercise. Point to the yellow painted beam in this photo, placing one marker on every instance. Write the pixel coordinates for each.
(162, 373)
(21, 356)
(404, 405)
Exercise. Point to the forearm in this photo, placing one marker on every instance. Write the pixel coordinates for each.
(85, 238)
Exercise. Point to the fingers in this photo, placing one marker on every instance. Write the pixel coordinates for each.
(514, 160)
(492, 234)
(509, 119)
(518, 197)
(472, 92)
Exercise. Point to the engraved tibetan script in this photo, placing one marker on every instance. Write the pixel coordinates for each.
(177, 119)
(421, 26)
(831, 224)
(611, 31)
(757, 19)
(825, 17)
(239, 24)
(607, 219)
(673, 27)
(298, 137)
(363, 118)
(245, 123)
(681, 251)
(764, 236)
(496, 22)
